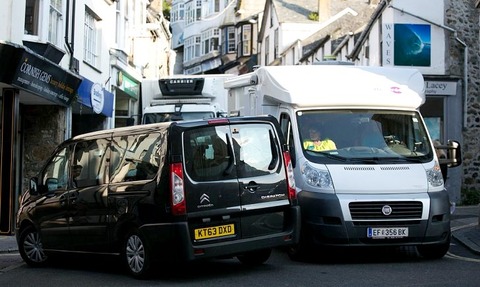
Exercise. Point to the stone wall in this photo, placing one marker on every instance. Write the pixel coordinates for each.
(464, 18)
(43, 128)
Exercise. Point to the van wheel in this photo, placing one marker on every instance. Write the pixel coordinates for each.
(255, 257)
(31, 247)
(435, 251)
(136, 255)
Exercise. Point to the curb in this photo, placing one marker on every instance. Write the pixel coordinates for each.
(469, 236)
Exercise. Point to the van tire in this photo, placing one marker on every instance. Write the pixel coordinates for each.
(435, 251)
(256, 257)
(136, 254)
(31, 247)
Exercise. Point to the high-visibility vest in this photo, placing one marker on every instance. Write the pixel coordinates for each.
(326, 144)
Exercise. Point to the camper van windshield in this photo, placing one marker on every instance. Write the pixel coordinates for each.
(151, 118)
(363, 136)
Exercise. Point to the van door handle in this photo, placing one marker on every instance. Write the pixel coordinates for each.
(251, 187)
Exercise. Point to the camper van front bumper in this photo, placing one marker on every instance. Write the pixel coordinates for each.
(324, 221)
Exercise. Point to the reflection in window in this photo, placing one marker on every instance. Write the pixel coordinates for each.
(55, 175)
(135, 157)
(88, 167)
(206, 154)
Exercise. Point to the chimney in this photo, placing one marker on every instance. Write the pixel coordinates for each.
(324, 10)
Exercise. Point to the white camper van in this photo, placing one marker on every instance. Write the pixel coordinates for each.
(184, 97)
(366, 170)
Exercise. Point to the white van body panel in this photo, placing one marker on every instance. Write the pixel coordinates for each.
(375, 179)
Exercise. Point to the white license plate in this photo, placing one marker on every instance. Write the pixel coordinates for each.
(387, 232)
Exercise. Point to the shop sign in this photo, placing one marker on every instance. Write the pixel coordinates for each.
(45, 79)
(440, 88)
(94, 96)
(128, 85)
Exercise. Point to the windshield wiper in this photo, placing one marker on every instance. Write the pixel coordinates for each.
(331, 155)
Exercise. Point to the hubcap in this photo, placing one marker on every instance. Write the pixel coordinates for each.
(33, 247)
(135, 253)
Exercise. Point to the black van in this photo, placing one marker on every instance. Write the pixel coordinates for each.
(176, 191)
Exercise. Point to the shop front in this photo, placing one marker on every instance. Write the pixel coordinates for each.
(28, 82)
(93, 108)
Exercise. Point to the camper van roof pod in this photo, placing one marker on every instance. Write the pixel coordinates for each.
(342, 86)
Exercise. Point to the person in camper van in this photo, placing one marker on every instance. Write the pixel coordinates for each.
(314, 141)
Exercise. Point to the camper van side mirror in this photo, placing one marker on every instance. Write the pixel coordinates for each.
(454, 153)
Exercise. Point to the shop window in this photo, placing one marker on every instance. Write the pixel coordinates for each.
(433, 114)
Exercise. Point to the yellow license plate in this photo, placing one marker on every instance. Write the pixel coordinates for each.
(214, 231)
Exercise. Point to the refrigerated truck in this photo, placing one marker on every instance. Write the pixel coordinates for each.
(183, 97)
(381, 183)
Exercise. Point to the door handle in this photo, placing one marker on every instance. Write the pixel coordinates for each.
(251, 187)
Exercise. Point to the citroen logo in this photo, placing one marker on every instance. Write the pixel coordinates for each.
(204, 198)
(386, 210)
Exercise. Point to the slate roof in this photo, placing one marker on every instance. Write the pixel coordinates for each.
(295, 11)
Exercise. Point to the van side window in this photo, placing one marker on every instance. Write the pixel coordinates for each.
(55, 175)
(135, 157)
(88, 165)
(256, 149)
(207, 155)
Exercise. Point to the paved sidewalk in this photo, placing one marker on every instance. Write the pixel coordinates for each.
(465, 228)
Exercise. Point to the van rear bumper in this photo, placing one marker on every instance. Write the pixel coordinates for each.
(172, 241)
(324, 223)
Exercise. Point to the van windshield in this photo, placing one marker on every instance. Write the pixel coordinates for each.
(363, 136)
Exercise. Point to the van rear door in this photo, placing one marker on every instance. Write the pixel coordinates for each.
(211, 184)
(262, 178)
(235, 183)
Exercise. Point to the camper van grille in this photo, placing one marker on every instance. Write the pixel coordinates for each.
(373, 210)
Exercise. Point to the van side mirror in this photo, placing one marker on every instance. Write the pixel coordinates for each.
(453, 153)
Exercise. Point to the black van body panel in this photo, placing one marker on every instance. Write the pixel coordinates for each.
(172, 241)
(126, 185)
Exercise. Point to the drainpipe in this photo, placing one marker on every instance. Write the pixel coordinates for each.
(465, 58)
(67, 28)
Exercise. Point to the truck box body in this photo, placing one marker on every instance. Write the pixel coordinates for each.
(183, 97)
(373, 177)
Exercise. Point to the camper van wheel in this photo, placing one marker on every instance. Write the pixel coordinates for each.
(31, 248)
(136, 254)
(255, 257)
(435, 251)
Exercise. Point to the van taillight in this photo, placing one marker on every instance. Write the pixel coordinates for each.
(292, 194)
(179, 206)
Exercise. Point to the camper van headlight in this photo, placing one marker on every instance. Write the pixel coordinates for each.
(434, 175)
(316, 177)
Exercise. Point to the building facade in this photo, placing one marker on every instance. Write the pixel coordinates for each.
(443, 45)
(69, 67)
